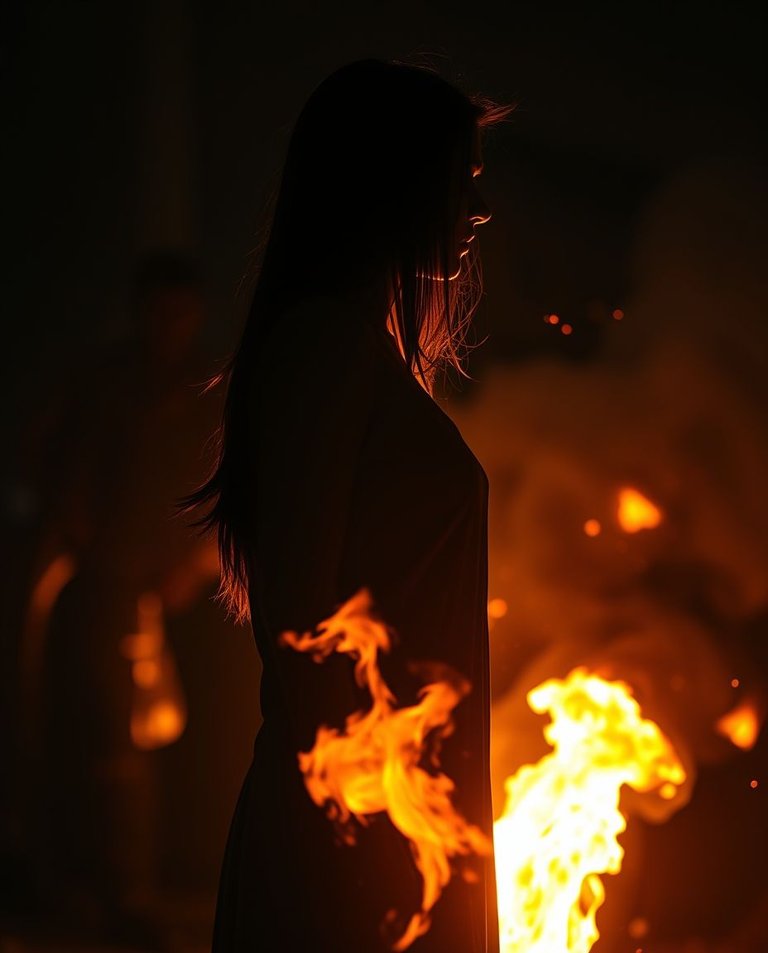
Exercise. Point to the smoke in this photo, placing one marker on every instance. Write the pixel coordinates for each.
(674, 407)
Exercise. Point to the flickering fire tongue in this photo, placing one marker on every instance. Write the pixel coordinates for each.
(559, 826)
(372, 766)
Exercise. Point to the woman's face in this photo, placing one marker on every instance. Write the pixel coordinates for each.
(473, 211)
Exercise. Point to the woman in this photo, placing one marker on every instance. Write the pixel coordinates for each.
(337, 470)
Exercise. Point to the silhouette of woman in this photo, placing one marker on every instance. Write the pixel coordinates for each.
(336, 470)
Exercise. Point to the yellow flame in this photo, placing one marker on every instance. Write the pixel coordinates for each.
(741, 725)
(636, 511)
(558, 830)
(372, 766)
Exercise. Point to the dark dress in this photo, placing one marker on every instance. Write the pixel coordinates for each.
(359, 479)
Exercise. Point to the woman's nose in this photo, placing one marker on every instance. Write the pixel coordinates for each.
(479, 212)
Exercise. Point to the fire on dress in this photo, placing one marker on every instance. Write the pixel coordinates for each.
(373, 765)
(558, 831)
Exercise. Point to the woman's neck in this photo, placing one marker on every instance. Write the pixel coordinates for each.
(371, 300)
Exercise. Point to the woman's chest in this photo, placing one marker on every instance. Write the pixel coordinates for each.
(414, 466)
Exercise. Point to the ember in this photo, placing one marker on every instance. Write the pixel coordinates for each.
(741, 726)
(636, 512)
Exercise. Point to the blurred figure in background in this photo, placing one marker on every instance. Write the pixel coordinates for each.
(124, 445)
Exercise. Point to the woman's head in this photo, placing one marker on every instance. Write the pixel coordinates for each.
(378, 183)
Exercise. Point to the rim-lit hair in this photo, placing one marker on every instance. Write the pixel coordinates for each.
(373, 182)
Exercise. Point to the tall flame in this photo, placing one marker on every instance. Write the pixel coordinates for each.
(558, 830)
(372, 766)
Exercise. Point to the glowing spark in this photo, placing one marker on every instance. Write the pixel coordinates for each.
(636, 511)
(592, 527)
(497, 608)
(741, 726)
(372, 766)
(559, 827)
(617, 314)
(567, 329)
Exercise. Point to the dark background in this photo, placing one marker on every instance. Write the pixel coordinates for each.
(151, 135)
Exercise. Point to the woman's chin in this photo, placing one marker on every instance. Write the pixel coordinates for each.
(459, 264)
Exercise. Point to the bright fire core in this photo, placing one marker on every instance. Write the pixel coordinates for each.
(558, 831)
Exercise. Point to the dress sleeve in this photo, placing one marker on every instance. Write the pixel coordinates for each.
(309, 414)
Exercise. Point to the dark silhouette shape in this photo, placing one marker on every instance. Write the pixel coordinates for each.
(336, 470)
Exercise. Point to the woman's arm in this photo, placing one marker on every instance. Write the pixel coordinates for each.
(309, 415)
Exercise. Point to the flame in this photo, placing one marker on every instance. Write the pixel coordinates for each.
(741, 725)
(158, 712)
(636, 511)
(559, 827)
(372, 766)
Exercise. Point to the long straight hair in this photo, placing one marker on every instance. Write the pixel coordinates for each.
(373, 182)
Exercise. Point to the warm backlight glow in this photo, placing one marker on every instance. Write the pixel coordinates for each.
(158, 711)
(558, 831)
(636, 511)
(741, 726)
(372, 765)
(48, 587)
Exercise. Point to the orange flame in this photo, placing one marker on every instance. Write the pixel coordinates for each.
(372, 766)
(740, 726)
(158, 712)
(559, 827)
(636, 511)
